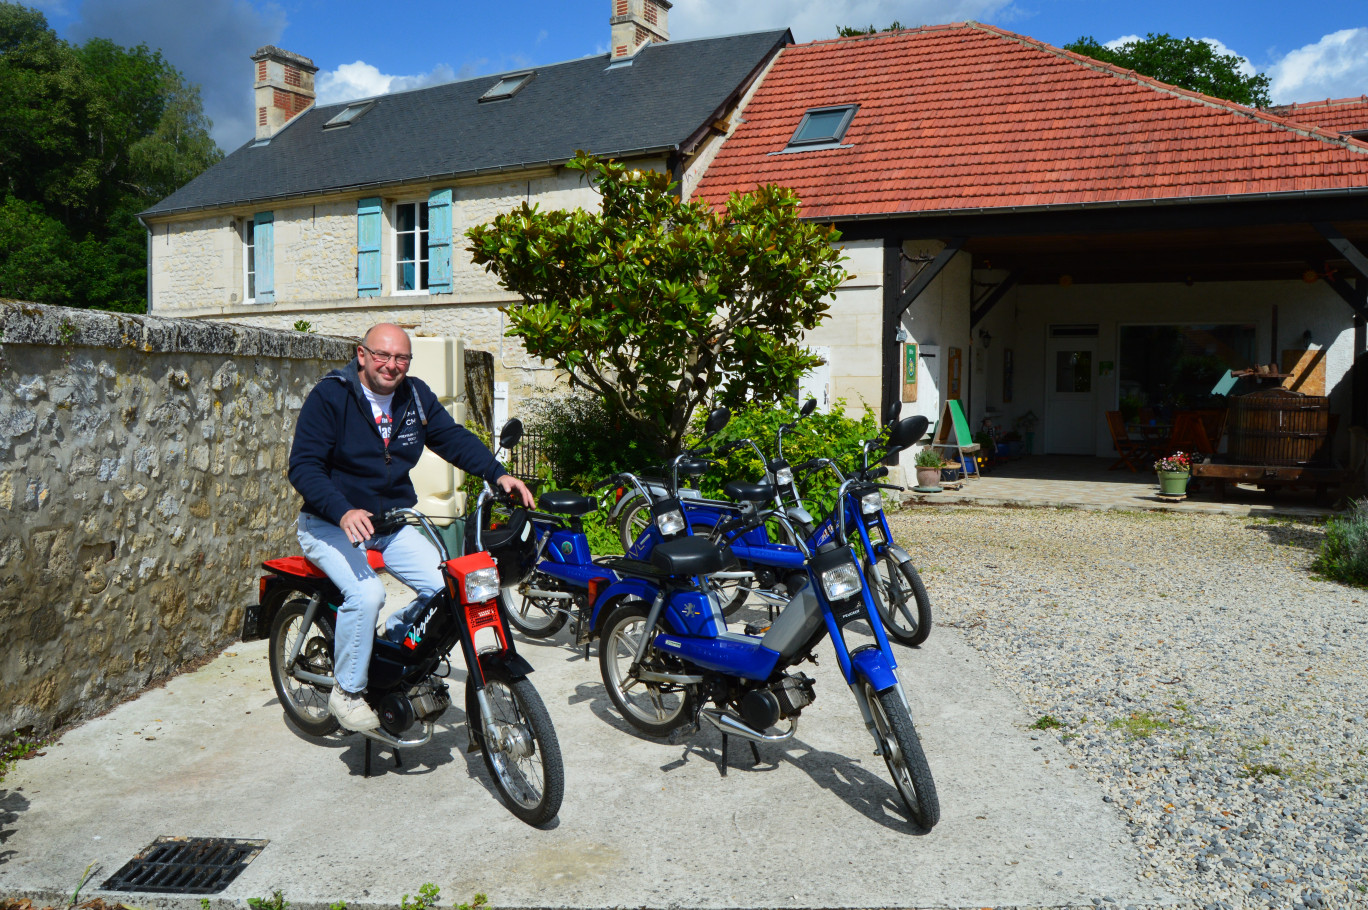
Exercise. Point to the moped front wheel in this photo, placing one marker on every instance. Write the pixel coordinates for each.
(305, 703)
(635, 519)
(902, 752)
(901, 599)
(520, 747)
(532, 616)
(654, 708)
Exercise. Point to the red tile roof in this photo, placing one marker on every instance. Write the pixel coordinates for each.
(968, 116)
(1340, 115)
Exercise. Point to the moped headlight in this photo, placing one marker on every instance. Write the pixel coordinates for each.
(783, 477)
(482, 585)
(871, 503)
(841, 581)
(670, 523)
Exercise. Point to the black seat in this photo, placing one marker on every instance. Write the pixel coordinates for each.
(693, 467)
(687, 556)
(566, 502)
(745, 491)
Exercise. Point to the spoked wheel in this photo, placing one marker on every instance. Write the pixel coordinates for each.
(903, 754)
(519, 745)
(635, 519)
(901, 599)
(532, 616)
(653, 708)
(305, 703)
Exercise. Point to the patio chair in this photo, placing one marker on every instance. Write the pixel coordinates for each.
(1126, 447)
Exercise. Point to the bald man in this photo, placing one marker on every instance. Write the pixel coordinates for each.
(359, 433)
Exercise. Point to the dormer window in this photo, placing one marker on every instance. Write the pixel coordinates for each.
(822, 127)
(507, 86)
(349, 114)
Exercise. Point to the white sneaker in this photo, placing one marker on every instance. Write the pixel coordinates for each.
(351, 711)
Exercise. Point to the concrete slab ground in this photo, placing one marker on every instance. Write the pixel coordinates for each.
(644, 823)
(1082, 482)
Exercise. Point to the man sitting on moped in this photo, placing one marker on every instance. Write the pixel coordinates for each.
(359, 433)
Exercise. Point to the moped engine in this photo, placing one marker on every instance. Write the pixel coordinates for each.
(763, 708)
(430, 699)
(425, 701)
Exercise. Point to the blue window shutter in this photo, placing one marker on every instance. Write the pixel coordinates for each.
(264, 239)
(439, 242)
(368, 223)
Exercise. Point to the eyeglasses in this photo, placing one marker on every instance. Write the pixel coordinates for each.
(384, 357)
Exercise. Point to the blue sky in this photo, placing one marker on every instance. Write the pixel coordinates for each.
(1312, 49)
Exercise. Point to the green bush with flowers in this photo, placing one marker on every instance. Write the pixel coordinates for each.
(1177, 463)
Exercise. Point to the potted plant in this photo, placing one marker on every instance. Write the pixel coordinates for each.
(1174, 472)
(929, 464)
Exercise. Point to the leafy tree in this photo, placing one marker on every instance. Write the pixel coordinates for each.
(1184, 62)
(89, 137)
(661, 305)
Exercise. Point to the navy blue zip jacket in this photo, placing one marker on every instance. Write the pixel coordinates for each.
(339, 461)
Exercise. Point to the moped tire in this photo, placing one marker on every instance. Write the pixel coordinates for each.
(633, 520)
(528, 774)
(653, 708)
(902, 752)
(528, 616)
(305, 704)
(901, 600)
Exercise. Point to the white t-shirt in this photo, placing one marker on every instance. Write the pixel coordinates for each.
(382, 410)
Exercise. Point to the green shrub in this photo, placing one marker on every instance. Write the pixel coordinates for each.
(832, 435)
(1344, 554)
(581, 443)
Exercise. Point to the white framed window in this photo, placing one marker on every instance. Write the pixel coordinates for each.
(411, 248)
(248, 260)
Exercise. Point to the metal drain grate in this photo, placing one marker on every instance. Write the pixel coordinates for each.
(185, 865)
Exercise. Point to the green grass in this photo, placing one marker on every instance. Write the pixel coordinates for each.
(1140, 725)
(1048, 722)
(14, 748)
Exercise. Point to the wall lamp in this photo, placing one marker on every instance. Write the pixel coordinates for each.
(985, 337)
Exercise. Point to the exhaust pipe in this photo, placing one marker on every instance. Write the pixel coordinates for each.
(380, 736)
(731, 725)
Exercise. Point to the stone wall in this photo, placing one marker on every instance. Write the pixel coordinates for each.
(142, 480)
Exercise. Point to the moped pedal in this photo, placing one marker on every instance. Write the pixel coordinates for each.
(678, 735)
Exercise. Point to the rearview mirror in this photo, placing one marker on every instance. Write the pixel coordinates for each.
(907, 432)
(891, 413)
(510, 434)
(808, 407)
(717, 419)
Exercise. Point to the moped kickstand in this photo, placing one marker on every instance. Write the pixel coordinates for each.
(366, 769)
(722, 765)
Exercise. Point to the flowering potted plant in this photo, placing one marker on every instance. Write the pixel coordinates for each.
(929, 464)
(1174, 471)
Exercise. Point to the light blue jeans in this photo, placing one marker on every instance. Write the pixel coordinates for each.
(409, 557)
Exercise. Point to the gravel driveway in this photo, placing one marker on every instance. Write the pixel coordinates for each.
(1194, 667)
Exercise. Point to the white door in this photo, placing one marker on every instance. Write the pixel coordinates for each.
(1070, 399)
(817, 384)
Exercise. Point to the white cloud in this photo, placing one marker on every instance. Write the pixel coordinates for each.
(1124, 39)
(362, 80)
(1336, 66)
(812, 20)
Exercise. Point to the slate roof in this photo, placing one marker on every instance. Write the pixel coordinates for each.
(1340, 115)
(970, 117)
(668, 93)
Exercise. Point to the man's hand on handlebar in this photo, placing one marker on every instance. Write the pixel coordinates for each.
(510, 484)
(356, 524)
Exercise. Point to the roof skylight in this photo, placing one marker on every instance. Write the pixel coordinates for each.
(349, 114)
(508, 86)
(823, 127)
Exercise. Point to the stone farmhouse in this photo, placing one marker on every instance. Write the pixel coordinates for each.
(1055, 235)
(347, 214)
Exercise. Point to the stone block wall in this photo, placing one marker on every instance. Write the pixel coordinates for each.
(142, 481)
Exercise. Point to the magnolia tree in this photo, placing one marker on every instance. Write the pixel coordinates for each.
(661, 306)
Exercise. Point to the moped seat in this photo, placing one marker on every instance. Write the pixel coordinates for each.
(745, 491)
(687, 556)
(300, 566)
(566, 502)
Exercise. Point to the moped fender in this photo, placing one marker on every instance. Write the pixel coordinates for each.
(899, 554)
(872, 664)
(515, 665)
(631, 587)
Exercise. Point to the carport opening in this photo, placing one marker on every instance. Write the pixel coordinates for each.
(1165, 368)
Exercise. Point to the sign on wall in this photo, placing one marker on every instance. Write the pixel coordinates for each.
(953, 373)
(909, 371)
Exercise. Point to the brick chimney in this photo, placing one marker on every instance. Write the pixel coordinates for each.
(284, 88)
(637, 23)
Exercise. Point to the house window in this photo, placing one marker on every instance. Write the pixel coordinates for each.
(411, 247)
(508, 86)
(249, 261)
(823, 127)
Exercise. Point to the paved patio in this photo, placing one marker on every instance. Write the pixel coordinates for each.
(1087, 483)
